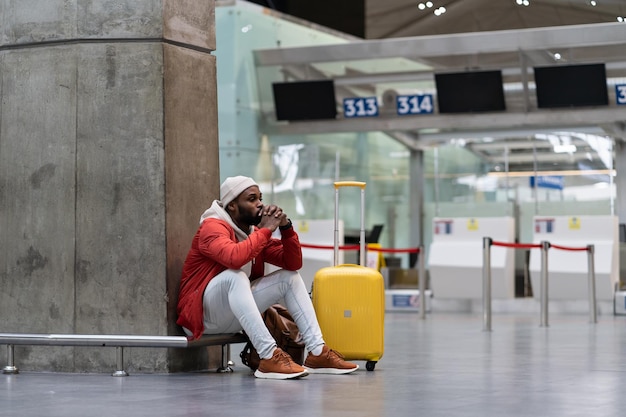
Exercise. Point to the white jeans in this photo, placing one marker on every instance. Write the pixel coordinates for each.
(231, 303)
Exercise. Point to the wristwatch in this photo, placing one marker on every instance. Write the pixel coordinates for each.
(287, 226)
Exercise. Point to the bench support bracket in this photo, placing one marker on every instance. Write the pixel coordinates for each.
(10, 368)
(119, 359)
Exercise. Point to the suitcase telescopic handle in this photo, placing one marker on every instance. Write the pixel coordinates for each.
(339, 184)
(361, 185)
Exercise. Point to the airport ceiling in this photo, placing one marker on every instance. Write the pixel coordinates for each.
(400, 18)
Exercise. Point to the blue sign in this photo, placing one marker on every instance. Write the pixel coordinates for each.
(414, 104)
(620, 93)
(554, 182)
(360, 107)
(405, 300)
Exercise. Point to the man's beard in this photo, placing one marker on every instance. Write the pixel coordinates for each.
(251, 219)
(254, 220)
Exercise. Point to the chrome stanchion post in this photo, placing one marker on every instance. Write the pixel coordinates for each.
(591, 273)
(421, 279)
(544, 283)
(10, 368)
(487, 283)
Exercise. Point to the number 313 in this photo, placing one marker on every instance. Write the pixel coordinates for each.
(620, 93)
(360, 107)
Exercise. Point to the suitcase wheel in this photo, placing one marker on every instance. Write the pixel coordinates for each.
(370, 365)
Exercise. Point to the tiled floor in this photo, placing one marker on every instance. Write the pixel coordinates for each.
(445, 365)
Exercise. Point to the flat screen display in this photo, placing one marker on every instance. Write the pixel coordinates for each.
(305, 100)
(571, 86)
(469, 92)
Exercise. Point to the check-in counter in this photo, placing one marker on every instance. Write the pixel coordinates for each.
(455, 259)
(568, 270)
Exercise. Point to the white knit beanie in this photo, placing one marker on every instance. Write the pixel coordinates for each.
(233, 186)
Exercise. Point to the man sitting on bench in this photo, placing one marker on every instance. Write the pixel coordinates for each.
(224, 290)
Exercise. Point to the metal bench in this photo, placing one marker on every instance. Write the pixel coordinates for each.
(119, 342)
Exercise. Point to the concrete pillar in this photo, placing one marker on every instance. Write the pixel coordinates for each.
(108, 155)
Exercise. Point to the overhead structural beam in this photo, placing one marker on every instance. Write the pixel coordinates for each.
(457, 125)
(505, 133)
(525, 144)
(574, 36)
(542, 157)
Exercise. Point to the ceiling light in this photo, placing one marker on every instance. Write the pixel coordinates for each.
(621, 19)
(429, 4)
(421, 6)
(593, 3)
(440, 11)
(523, 2)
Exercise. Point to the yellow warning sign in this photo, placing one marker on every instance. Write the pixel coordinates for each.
(303, 226)
(574, 223)
(472, 224)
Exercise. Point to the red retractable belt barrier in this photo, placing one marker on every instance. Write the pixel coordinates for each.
(344, 247)
(538, 246)
(408, 250)
(356, 247)
(516, 245)
(584, 248)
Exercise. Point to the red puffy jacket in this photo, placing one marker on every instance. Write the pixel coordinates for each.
(214, 249)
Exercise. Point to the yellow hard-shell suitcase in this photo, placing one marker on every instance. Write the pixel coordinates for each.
(349, 300)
